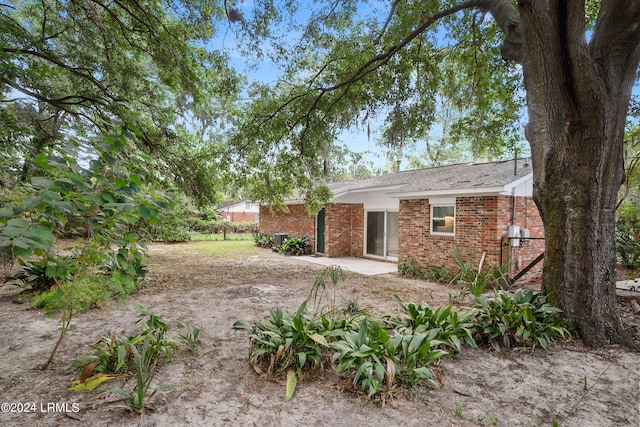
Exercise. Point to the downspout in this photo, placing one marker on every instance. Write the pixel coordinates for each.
(513, 190)
(513, 206)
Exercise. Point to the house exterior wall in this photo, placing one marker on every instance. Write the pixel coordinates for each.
(241, 216)
(344, 226)
(344, 229)
(481, 224)
(297, 222)
(239, 212)
(527, 217)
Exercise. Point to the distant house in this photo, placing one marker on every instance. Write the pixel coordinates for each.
(239, 211)
(422, 215)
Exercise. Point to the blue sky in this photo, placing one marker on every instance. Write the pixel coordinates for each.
(357, 138)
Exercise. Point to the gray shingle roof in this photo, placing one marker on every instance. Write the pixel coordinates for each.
(454, 178)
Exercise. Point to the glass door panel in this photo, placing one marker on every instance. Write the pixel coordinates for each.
(375, 233)
(392, 235)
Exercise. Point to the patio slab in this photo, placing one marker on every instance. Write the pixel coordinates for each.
(364, 266)
(631, 284)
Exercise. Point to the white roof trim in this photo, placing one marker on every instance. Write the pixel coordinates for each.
(517, 182)
(365, 190)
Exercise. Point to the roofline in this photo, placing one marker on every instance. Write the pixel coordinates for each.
(452, 192)
(364, 190)
(505, 190)
(518, 181)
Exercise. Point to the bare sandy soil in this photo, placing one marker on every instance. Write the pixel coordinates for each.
(218, 387)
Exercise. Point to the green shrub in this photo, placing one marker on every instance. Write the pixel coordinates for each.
(132, 355)
(523, 318)
(294, 246)
(433, 273)
(42, 274)
(366, 354)
(285, 341)
(628, 250)
(171, 228)
(263, 240)
(376, 360)
(86, 292)
(478, 281)
(409, 268)
(439, 274)
(451, 327)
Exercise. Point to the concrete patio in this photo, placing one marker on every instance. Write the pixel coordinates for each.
(364, 266)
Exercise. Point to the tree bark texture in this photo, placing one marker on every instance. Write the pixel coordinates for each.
(578, 93)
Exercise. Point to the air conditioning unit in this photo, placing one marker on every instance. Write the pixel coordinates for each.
(278, 238)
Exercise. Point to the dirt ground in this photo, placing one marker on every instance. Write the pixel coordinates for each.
(218, 388)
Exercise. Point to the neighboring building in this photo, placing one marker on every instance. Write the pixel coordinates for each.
(239, 211)
(424, 214)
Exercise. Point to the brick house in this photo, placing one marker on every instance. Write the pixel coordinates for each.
(239, 211)
(424, 214)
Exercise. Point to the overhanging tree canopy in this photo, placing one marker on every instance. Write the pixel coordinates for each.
(350, 63)
(73, 67)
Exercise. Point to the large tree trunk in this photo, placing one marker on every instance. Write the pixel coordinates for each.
(577, 97)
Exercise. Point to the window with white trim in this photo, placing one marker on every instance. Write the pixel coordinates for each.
(443, 220)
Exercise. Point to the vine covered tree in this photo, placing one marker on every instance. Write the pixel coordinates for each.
(576, 61)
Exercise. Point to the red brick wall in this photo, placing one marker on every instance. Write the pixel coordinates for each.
(239, 216)
(344, 228)
(481, 224)
(527, 217)
(297, 222)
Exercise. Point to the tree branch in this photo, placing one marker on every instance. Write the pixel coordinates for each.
(616, 41)
(56, 61)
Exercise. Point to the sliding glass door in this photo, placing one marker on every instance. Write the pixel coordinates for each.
(382, 234)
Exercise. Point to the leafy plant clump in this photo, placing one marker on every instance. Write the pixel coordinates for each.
(136, 355)
(453, 328)
(435, 273)
(477, 281)
(295, 246)
(523, 318)
(375, 354)
(105, 195)
(88, 291)
(263, 240)
(379, 355)
(286, 342)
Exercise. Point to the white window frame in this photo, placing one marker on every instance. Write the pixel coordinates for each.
(432, 218)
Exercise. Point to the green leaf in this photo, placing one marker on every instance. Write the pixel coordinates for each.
(56, 161)
(423, 373)
(135, 179)
(144, 212)
(92, 382)
(291, 385)
(42, 182)
(32, 203)
(119, 182)
(302, 359)
(15, 227)
(319, 339)
(43, 162)
(435, 355)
